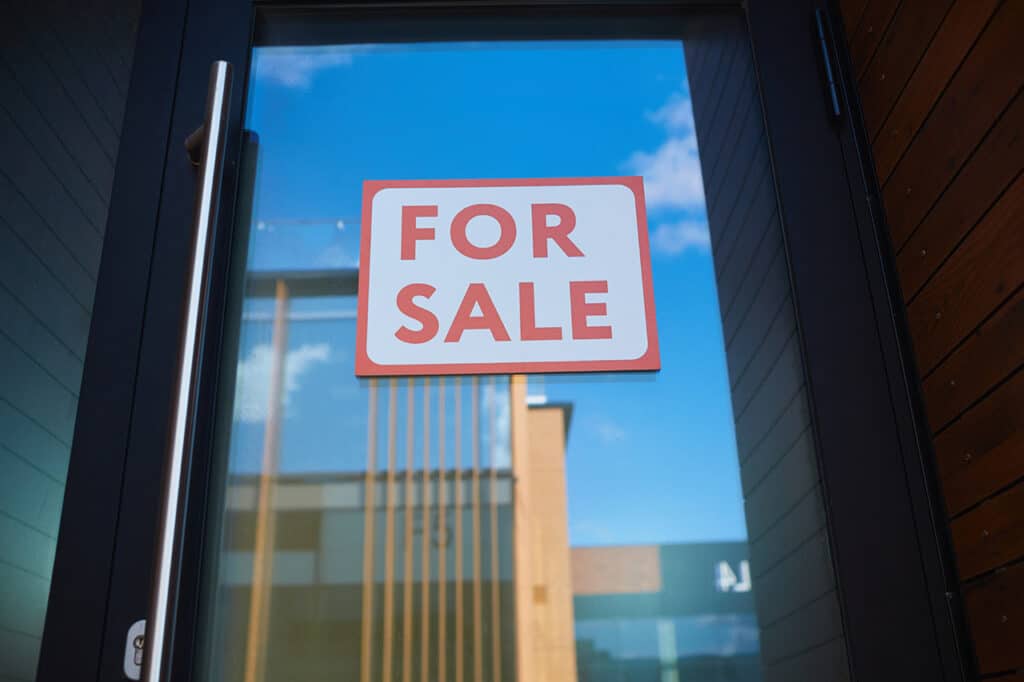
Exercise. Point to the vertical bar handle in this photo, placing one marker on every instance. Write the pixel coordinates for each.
(205, 148)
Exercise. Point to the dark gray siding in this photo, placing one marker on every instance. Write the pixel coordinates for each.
(794, 581)
(64, 69)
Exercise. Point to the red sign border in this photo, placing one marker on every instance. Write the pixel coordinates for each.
(649, 361)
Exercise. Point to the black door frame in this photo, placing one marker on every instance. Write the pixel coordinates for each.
(894, 577)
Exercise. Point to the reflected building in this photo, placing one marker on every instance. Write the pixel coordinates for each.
(448, 558)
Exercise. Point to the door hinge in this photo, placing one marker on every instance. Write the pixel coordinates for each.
(824, 44)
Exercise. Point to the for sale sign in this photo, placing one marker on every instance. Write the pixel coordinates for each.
(505, 276)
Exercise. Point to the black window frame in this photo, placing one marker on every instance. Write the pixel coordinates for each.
(873, 445)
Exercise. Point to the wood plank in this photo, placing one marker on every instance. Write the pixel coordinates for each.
(989, 171)
(954, 39)
(984, 450)
(869, 33)
(852, 11)
(995, 612)
(990, 535)
(986, 83)
(911, 31)
(982, 272)
(987, 357)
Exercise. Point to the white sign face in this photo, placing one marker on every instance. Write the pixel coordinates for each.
(505, 276)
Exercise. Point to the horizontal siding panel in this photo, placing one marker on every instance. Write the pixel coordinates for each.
(990, 354)
(28, 495)
(995, 610)
(42, 190)
(34, 127)
(22, 601)
(20, 434)
(755, 463)
(984, 177)
(809, 628)
(745, 139)
(869, 33)
(983, 451)
(35, 550)
(782, 489)
(52, 253)
(991, 534)
(18, 656)
(732, 108)
(731, 218)
(768, 269)
(951, 44)
(790, 532)
(781, 332)
(27, 332)
(35, 391)
(751, 255)
(773, 308)
(27, 280)
(796, 583)
(781, 385)
(825, 662)
(724, 73)
(721, 51)
(912, 29)
(46, 93)
(983, 272)
(987, 82)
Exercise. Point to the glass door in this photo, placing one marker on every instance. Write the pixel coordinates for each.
(475, 527)
(532, 526)
(681, 522)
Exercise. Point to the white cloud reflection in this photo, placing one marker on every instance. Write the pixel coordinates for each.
(294, 67)
(671, 239)
(672, 176)
(252, 397)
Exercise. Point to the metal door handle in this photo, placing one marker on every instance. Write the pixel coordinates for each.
(206, 149)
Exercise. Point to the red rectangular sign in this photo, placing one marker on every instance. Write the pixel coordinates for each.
(505, 276)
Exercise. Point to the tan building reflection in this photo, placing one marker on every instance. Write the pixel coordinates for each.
(460, 572)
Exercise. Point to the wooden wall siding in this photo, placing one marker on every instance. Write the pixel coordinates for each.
(793, 579)
(941, 90)
(64, 69)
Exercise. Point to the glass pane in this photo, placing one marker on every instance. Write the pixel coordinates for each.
(541, 527)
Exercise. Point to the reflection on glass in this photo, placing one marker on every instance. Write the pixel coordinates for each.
(560, 527)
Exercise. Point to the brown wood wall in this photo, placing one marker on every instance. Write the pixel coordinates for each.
(940, 84)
